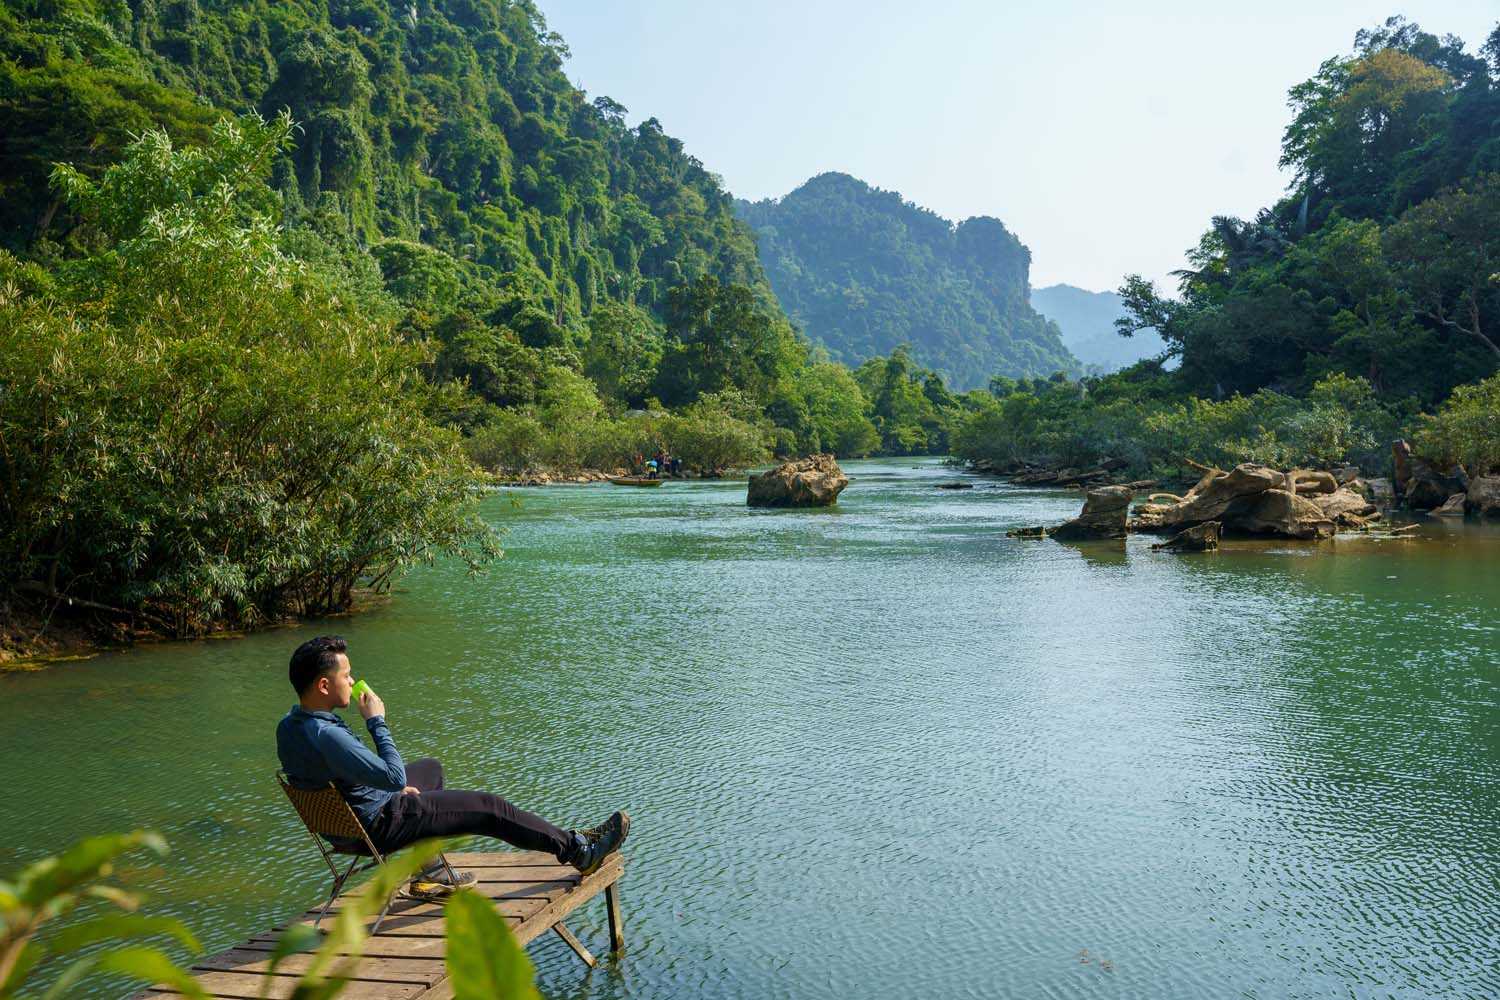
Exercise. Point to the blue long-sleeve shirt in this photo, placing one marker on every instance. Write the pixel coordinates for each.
(317, 747)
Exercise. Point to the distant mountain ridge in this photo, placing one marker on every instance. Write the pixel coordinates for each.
(863, 271)
(1087, 321)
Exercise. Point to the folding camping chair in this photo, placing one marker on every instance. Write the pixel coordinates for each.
(326, 815)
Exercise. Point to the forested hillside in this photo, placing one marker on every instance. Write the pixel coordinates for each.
(449, 125)
(1087, 322)
(279, 283)
(862, 271)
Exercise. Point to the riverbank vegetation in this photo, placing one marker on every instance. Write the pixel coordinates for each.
(1363, 305)
(199, 430)
(307, 272)
(312, 274)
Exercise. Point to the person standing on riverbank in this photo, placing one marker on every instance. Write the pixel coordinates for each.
(398, 803)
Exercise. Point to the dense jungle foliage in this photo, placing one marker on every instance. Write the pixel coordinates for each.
(863, 272)
(276, 277)
(1326, 325)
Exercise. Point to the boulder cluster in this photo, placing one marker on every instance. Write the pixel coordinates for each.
(1249, 499)
(1444, 489)
(1258, 500)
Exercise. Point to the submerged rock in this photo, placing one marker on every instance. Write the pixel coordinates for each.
(1037, 532)
(1104, 515)
(955, 486)
(1199, 538)
(1454, 506)
(1484, 496)
(815, 481)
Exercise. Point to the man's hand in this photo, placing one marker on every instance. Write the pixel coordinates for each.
(371, 705)
(410, 790)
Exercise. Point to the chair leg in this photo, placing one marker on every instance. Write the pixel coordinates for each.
(575, 944)
(375, 928)
(338, 888)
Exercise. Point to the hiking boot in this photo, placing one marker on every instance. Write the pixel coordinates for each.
(617, 820)
(600, 842)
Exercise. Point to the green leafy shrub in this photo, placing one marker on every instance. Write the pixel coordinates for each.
(1466, 429)
(200, 430)
(54, 888)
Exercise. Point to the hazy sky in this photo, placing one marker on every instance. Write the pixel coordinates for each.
(1103, 134)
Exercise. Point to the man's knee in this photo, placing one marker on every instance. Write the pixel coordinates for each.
(425, 773)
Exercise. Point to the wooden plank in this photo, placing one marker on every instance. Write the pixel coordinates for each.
(393, 947)
(405, 960)
(233, 984)
(542, 921)
(519, 889)
(616, 923)
(418, 915)
(575, 944)
(419, 971)
(495, 859)
(538, 923)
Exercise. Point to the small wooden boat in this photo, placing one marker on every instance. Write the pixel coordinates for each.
(634, 481)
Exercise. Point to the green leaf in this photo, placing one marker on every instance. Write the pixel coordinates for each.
(484, 961)
(123, 926)
(122, 898)
(31, 954)
(72, 974)
(294, 940)
(43, 882)
(152, 966)
(341, 948)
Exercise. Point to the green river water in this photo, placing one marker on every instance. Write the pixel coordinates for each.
(877, 751)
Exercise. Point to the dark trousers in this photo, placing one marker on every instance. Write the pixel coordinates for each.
(441, 812)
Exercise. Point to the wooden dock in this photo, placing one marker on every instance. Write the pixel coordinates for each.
(404, 959)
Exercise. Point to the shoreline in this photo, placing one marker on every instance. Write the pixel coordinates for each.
(588, 477)
(31, 640)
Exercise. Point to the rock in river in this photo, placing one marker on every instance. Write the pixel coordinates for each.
(1281, 513)
(1104, 513)
(1454, 506)
(815, 481)
(1199, 538)
(1253, 499)
(1484, 496)
(1423, 485)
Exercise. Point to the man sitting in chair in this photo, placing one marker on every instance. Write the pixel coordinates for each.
(401, 803)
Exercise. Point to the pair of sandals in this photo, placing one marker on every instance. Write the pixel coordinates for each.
(437, 884)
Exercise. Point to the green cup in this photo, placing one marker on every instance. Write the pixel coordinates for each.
(360, 687)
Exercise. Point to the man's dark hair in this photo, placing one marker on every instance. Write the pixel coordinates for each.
(313, 659)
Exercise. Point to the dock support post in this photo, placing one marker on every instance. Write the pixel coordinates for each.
(575, 944)
(616, 925)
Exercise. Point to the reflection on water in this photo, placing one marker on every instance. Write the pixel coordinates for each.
(880, 751)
